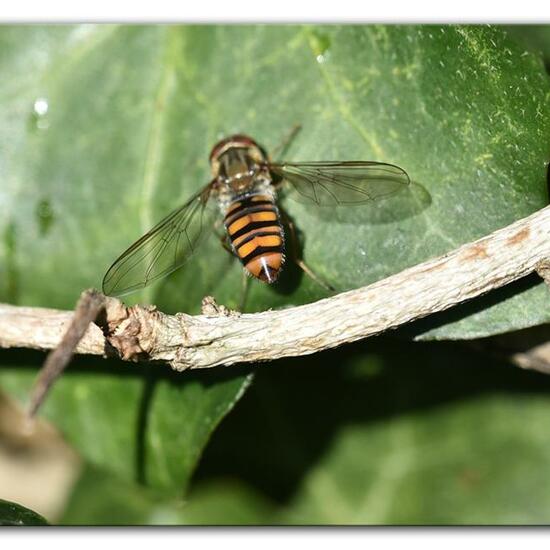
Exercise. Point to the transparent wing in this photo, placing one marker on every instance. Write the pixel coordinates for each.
(164, 248)
(341, 183)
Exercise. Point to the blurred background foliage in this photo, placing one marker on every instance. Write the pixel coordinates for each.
(104, 129)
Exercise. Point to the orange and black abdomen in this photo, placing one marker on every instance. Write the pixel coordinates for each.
(256, 234)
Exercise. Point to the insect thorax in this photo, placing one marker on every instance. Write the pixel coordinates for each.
(228, 194)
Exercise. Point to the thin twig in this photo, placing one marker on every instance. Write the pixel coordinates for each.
(89, 306)
(222, 337)
(528, 348)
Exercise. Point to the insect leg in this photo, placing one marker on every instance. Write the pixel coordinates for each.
(295, 253)
(244, 290)
(283, 145)
(224, 241)
(222, 235)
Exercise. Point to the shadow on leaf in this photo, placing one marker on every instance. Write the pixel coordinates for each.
(296, 408)
(408, 202)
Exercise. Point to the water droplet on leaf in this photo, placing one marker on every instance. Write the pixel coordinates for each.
(40, 112)
(320, 45)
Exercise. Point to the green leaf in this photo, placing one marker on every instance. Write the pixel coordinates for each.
(386, 433)
(102, 499)
(132, 113)
(228, 502)
(15, 514)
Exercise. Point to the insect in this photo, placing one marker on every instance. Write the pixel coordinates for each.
(244, 188)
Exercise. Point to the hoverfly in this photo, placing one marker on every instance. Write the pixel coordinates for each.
(244, 185)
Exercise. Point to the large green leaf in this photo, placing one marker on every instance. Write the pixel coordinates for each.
(104, 129)
(383, 434)
(133, 111)
(102, 499)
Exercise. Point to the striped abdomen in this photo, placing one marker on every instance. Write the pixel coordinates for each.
(256, 235)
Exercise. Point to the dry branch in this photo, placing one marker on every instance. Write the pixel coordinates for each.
(222, 337)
